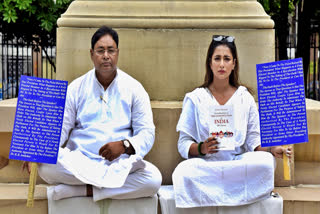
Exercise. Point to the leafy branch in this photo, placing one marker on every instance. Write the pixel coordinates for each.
(23, 19)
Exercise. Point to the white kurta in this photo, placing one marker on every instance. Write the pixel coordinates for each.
(226, 178)
(123, 113)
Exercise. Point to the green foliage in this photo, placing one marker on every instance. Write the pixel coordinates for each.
(26, 18)
(272, 7)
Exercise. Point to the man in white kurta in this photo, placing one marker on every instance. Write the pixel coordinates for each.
(225, 178)
(104, 108)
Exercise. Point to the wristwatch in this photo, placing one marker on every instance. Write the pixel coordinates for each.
(126, 145)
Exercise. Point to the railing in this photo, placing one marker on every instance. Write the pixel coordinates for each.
(313, 77)
(313, 89)
(17, 58)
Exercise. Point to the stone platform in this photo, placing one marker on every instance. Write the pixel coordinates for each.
(302, 192)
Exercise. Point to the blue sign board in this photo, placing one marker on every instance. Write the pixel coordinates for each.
(38, 120)
(282, 105)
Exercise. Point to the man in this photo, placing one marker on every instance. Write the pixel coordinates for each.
(107, 128)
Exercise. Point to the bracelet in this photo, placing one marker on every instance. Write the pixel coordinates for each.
(199, 149)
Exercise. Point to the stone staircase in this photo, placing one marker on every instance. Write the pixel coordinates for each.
(301, 195)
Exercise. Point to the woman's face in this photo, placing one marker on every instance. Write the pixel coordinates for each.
(222, 63)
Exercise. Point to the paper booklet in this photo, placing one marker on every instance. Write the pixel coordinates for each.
(221, 126)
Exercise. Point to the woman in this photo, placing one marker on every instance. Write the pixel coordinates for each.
(213, 176)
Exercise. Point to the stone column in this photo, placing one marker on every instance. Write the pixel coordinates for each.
(163, 44)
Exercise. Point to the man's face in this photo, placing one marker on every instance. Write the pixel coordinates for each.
(105, 56)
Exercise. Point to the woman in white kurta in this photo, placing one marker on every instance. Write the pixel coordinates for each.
(213, 177)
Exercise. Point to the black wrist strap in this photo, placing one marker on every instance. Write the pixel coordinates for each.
(199, 149)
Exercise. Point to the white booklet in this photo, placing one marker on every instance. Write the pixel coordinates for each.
(221, 126)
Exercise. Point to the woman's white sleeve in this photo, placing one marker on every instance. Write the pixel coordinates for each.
(184, 144)
(187, 127)
(253, 139)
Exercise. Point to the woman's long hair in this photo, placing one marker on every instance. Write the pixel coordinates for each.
(234, 76)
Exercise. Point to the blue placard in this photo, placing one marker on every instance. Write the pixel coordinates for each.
(282, 106)
(38, 120)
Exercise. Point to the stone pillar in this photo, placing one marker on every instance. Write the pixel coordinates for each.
(163, 45)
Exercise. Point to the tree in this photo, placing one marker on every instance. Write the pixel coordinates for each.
(279, 10)
(308, 12)
(31, 20)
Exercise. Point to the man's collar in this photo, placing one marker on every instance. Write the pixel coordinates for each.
(100, 85)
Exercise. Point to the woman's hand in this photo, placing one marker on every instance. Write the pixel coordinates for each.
(210, 146)
(278, 151)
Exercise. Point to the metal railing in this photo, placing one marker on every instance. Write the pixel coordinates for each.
(313, 77)
(17, 58)
(313, 89)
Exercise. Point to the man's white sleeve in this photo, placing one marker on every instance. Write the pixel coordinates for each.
(69, 117)
(142, 124)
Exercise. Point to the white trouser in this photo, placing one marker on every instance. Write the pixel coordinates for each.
(142, 182)
(246, 179)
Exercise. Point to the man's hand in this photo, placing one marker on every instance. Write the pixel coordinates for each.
(26, 165)
(112, 150)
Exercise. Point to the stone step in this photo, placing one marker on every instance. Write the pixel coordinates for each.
(309, 151)
(19, 191)
(307, 173)
(300, 199)
(12, 173)
(13, 199)
(166, 115)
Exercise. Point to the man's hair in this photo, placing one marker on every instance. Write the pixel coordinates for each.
(102, 31)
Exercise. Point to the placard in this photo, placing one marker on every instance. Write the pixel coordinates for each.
(282, 106)
(38, 120)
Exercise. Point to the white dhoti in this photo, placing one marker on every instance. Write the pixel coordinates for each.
(124, 179)
(246, 179)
